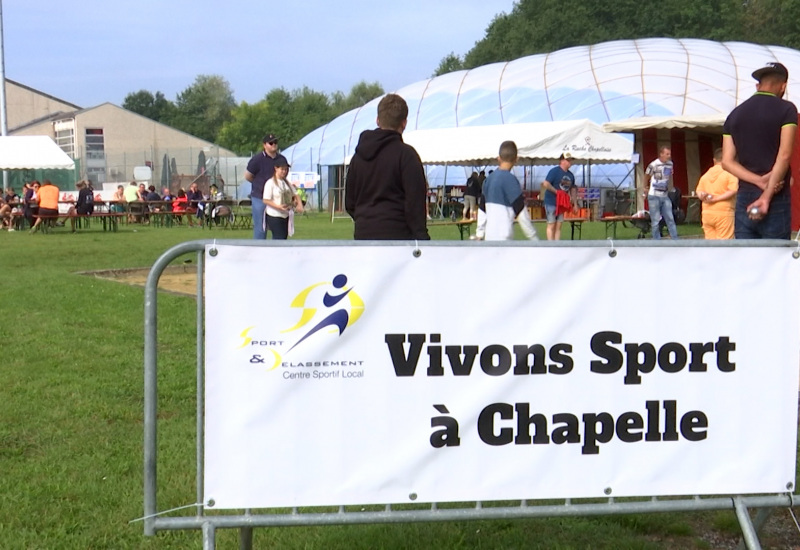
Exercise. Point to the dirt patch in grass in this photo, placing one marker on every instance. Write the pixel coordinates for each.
(178, 279)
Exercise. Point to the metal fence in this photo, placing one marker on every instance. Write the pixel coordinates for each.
(245, 521)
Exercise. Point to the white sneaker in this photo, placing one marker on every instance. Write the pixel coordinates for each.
(11, 229)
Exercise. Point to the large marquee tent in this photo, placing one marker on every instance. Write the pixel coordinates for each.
(607, 82)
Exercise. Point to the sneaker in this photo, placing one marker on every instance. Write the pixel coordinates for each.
(11, 229)
(34, 229)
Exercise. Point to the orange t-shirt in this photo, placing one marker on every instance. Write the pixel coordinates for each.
(48, 197)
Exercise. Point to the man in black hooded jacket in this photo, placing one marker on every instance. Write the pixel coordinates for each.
(385, 189)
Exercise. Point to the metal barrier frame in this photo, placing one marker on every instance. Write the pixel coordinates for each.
(154, 521)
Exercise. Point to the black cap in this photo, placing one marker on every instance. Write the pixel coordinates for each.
(771, 68)
(281, 162)
(269, 137)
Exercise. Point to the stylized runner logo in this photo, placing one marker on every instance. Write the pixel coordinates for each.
(339, 318)
(338, 309)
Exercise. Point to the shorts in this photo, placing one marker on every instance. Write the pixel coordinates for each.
(48, 213)
(550, 213)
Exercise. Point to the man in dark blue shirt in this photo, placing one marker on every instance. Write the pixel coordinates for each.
(261, 168)
(757, 142)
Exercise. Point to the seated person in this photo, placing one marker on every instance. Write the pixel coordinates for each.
(47, 196)
(84, 205)
(180, 206)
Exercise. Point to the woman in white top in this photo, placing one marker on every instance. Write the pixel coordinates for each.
(281, 201)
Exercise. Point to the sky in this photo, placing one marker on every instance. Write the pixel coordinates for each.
(89, 52)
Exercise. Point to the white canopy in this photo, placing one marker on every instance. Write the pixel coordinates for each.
(537, 143)
(29, 152)
(710, 122)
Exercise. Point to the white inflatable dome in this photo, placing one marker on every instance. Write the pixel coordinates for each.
(606, 82)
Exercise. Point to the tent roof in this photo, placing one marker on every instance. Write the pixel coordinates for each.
(537, 143)
(30, 152)
(709, 122)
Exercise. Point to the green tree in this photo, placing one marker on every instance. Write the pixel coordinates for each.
(204, 107)
(449, 63)
(540, 26)
(772, 22)
(155, 107)
(360, 94)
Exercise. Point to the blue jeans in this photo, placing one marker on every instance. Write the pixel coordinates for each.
(661, 207)
(777, 224)
(258, 210)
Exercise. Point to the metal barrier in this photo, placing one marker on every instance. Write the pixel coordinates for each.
(154, 520)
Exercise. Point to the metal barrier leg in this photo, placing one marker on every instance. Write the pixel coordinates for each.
(209, 537)
(748, 532)
(761, 518)
(246, 538)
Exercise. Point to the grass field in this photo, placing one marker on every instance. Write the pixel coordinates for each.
(71, 412)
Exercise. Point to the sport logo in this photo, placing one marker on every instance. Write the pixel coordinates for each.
(338, 309)
(340, 318)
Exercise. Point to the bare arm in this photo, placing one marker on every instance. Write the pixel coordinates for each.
(248, 176)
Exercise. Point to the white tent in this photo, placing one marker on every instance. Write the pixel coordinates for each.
(31, 152)
(537, 143)
(707, 122)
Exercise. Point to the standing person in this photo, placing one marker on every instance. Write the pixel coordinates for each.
(280, 201)
(717, 191)
(471, 194)
(385, 190)
(559, 178)
(48, 205)
(503, 201)
(757, 142)
(657, 181)
(261, 168)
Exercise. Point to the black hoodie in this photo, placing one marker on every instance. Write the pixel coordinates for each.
(385, 190)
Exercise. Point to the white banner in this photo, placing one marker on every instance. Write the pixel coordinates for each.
(359, 375)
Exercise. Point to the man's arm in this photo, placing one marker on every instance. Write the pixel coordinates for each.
(248, 176)
(415, 187)
(524, 219)
(778, 172)
(350, 190)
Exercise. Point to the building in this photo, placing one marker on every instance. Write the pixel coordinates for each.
(107, 141)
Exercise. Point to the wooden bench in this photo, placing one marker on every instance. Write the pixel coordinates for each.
(463, 226)
(574, 223)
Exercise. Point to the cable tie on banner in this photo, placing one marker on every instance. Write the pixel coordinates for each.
(213, 251)
(165, 512)
(613, 252)
(417, 252)
(796, 253)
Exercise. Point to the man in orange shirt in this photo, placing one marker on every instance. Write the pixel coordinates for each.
(717, 190)
(48, 204)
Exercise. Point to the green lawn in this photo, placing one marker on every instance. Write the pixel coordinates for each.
(71, 411)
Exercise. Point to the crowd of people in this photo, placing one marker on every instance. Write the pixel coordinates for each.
(39, 204)
(744, 195)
